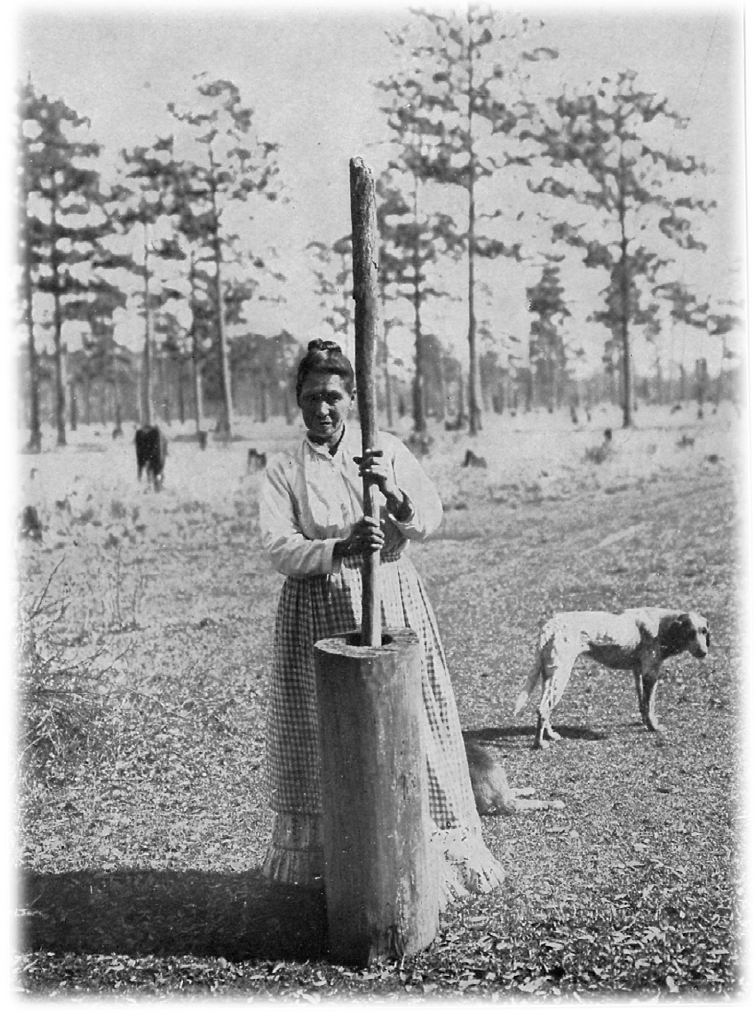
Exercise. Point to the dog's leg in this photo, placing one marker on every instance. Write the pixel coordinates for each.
(557, 670)
(649, 677)
(544, 731)
(650, 681)
(640, 694)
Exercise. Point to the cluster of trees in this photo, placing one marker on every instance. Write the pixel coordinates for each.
(481, 172)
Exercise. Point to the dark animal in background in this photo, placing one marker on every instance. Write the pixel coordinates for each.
(151, 452)
(256, 460)
(419, 443)
(117, 432)
(600, 453)
(675, 408)
(573, 414)
(454, 425)
(202, 439)
(686, 441)
(473, 461)
(637, 640)
(29, 525)
(491, 790)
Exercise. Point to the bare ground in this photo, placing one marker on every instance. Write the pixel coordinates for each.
(142, 817)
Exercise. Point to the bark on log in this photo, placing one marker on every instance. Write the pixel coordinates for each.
(381, 880)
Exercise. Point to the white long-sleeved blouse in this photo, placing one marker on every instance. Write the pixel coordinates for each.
(309, 500)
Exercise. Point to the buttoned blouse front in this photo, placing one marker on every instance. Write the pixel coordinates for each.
(310, 499)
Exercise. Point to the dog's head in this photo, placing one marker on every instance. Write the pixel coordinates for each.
(684, 631)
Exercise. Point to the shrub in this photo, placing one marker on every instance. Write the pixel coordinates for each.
(59, 679)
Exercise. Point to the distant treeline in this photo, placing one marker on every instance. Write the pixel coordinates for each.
(481, 170)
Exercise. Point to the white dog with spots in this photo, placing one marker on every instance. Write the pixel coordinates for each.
(637, 640)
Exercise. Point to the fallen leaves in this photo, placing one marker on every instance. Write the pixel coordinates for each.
(149, 831)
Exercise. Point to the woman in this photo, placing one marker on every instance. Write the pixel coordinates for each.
(314, 532)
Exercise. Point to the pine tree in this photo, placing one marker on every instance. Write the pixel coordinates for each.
(232, 164)
(411, 243)
(461, 92)
(547, 354)
(599, 142)
(333, 277)
(63, 223)
(145, 202)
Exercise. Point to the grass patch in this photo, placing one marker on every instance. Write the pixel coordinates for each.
(143, 819)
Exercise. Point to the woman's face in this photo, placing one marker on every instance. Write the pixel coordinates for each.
(325, 402)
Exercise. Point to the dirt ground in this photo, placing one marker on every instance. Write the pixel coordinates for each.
(157, 808)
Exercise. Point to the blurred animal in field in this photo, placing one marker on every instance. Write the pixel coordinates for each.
(491, 790)
(600, 453)
(29, 524)
(637, 640)
(573, 414)
(473, 461)
(256, 460)
(686, 441)
(675, 408)
(454, 425)
(117, 432)
(202, 439)
(419, 443)
(151, 452)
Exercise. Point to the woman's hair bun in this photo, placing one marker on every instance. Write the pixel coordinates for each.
(324, 345)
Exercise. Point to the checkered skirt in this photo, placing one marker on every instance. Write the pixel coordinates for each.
(314, 608)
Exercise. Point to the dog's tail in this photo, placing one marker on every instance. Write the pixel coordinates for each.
(528, 686)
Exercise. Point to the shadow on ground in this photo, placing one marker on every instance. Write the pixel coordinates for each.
(501, 735)
(240, 916)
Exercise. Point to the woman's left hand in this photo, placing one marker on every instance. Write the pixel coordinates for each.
(374, 466)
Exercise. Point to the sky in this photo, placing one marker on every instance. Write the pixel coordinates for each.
(308, 69)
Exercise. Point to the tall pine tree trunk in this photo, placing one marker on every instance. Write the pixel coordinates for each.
(147, 353)
(60, 375)
(180, 391)
(472, 339)
(35, 429)
(74, 405)
(627, 392)
(60, 367)
(386, 374)
(420, 381)
(117, 406)
(225, 421)
(165, 394)
(196, 370)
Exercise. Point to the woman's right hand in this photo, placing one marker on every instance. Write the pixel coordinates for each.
(365, 536)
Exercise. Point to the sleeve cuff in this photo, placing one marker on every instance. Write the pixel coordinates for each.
(331, 565)
(409, 521)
